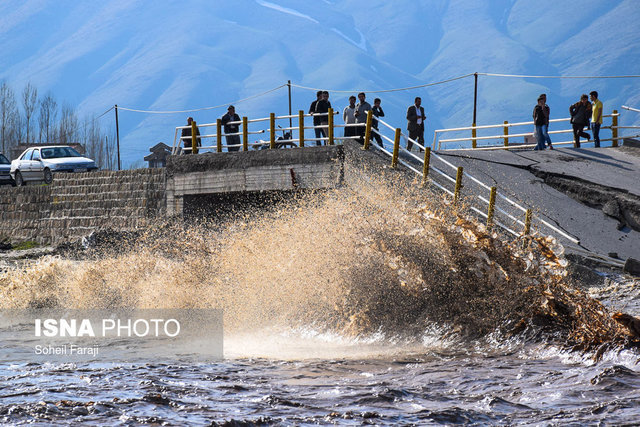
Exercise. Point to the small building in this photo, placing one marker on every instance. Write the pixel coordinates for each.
(14, 152)
(158, 156)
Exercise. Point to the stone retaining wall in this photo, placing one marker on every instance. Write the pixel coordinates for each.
(75, 204)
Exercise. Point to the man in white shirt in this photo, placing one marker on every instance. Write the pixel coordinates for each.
(349, 116)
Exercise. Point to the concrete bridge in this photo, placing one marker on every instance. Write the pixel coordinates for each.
(587, 196)
(76, 204)
(191, 177)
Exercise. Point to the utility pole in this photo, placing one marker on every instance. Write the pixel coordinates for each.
(474, 142)
(290, 121)
(118, 137)
(475, 98)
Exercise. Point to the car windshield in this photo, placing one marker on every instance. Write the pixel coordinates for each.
(3, 160)
(58, 152)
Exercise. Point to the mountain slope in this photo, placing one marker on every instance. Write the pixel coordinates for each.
(198, 53)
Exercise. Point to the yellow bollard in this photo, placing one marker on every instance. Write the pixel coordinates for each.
(245, 134)
(527, 222)
(396, 148)
(301, 127)
(272, 126)
(194, 138)
(614, 128)
(330, 130)
(492, 207)
(473, 136)
(456, 193)
(367, 131)
(425, 166)
(219, 134)
(506, 134)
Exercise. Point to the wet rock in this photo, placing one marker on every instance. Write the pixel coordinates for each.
(583, 276)
(632, 324)
(632, 266)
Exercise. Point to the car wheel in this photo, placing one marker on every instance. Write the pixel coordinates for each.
(48, 176)
(19, 180)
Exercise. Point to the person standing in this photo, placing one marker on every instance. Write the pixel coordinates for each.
(231, 128)
(349, 117)
(596, 117)
(362, 109)
(186, 137)
(539, 120)
(322, 108)
(317, 120)
(580, 114)
(415, 123)
(545, 127)
(377, 112)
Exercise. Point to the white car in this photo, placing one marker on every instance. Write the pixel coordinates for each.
(39, 163)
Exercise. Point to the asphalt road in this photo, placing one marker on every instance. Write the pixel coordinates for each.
(521, 175)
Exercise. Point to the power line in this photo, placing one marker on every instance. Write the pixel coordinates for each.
(201, 109)
(105, 112)
(368, 91)
(558, 77)
(387, 90)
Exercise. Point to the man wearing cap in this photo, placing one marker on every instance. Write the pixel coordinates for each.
(233, 141)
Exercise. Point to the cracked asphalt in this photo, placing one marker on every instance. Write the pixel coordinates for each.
(569, 187)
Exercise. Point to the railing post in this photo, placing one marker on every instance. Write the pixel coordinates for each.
(614, 128)
(272, 126)
(367, 131)
(492, 207)
(456, 193)
(245, 134)
(527, 222)
(194, 138)
(330, 130)
(301, 127)
(396, 148)
(473, 136)
(506, 133)
(425, 166)
(219, 134)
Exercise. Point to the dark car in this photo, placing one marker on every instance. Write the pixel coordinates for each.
(5, 169)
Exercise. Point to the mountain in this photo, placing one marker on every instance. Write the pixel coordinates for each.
(180, 55)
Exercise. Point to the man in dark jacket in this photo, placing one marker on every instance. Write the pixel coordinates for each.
(186, 137)
(231, 116)
(317, 120)
(415, 123)
(539, 120)
(377, 112)
(322, 107)
(580, 115)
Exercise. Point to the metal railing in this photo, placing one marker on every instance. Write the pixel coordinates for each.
(504, 140)
(496, 208)
(213, 140)
(483, 200)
